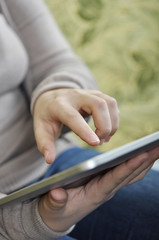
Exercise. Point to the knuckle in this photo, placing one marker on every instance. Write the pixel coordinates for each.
(59, 101)
(104, 133)
(71, 115)
(108, 131)
(97, 92)
(77, 91)
(112, 102)
(101, 103)
(60, 106)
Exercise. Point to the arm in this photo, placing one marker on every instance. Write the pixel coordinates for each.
(52, 63)
(51, 73)
(22, 221)
(46, 60)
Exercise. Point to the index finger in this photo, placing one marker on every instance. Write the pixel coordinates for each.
(74, 120)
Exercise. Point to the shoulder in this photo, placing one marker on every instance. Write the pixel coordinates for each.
(23, 11)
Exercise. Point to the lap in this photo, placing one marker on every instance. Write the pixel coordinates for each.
(132, 214)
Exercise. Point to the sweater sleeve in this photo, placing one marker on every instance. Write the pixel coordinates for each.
(22, 221)
(53, 64)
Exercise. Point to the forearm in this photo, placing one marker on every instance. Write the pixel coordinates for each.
(70, 72)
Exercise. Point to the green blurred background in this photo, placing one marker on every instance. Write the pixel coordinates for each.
(119, 41)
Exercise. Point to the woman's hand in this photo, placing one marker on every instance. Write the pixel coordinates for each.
(60, 209)
(68, 106)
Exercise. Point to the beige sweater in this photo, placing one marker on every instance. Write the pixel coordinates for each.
(34, 58)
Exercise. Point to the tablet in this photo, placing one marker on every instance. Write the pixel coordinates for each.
(83, 172)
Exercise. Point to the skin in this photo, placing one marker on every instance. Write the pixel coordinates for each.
(60, 209)
(68, 106)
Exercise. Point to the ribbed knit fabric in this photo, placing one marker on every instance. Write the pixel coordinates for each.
(34, 58)
(31, 63)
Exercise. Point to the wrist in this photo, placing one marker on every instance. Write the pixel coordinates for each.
(52, 209)
(47, 229)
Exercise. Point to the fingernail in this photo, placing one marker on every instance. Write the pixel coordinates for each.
(94, 139)
(47, 157)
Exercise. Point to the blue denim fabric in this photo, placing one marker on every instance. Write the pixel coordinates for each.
(69, 158)
(132, 214)
(66, 238)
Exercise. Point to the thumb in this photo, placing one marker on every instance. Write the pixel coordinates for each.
(51, 207)
(45, 139)
(56, 199)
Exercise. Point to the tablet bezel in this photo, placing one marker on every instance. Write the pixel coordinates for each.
(83, 172)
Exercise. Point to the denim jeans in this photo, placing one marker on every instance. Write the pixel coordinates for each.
(132, 214)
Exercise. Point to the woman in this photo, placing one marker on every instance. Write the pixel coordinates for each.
(39, 71)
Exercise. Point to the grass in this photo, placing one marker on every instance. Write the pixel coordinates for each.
(119, 42)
